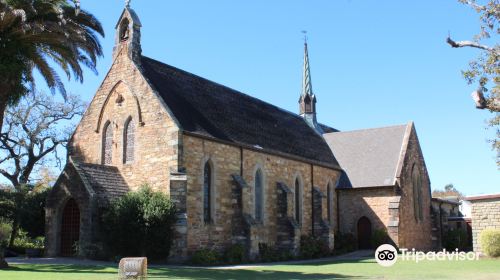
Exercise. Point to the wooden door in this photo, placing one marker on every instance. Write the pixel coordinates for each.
(364, 233)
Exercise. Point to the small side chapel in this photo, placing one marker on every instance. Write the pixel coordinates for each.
(240, 170)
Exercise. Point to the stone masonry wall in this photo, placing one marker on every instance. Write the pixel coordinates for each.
(413, 233)
(372, 203)
(68, 183)
(228, 160)
(125, 93)
(485, 214)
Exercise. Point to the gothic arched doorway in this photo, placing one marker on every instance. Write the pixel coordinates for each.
(70, 228)
(364, 233)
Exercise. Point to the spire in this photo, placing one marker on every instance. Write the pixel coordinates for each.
(307, 101)
(306, 74)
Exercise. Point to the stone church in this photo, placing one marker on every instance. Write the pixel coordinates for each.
(240, 170)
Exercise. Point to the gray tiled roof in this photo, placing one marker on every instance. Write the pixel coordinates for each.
(105, 181)
(369, 157)
(208, 109)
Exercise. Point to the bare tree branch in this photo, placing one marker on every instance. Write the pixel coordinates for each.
(474, 5)
(461, 44)
(33, 133)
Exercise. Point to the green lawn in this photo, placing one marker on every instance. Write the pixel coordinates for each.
(362, 269)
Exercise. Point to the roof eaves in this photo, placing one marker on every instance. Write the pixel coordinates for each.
(482, 197)
(404, 148)
(82, 176)
(265, 150)
(445, 200)
(368, 187)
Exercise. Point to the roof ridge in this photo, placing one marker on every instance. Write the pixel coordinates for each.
(366, 129)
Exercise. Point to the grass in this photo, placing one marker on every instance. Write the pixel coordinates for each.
(359, 269)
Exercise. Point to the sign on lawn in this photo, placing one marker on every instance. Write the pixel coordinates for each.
(133, 268)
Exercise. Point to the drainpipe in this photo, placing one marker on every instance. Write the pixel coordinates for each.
(312, 199)
(440, 226)
(241, 161)
(337, 192)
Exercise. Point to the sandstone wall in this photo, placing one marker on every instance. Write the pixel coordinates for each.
(414, 233)
(372, 203)
(485, 214)
(123, 94)
(228, 160)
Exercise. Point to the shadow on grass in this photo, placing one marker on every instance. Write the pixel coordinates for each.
(178, 272)
(328, 262)
(52, 268)
(212, 274)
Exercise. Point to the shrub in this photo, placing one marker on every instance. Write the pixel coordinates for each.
(268, 253)
(94, 251)
(344, 243)
(379, 237)
(140, 224)
(36, 243)
(24, 241)
(455, 239)
(490, 242)
(5, 230)
(205, 257)
(235, 254)
(32, 213)
(313, 247)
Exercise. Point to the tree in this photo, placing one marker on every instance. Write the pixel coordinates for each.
(28, 205)
(34, 129)
(36, 31)
(485, 69)
(449, 191)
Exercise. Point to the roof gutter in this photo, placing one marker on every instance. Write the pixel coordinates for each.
(367, 188)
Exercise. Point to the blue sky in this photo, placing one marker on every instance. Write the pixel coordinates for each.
(373, 63)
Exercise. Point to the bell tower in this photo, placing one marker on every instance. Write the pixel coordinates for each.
(128, 34)
(307, 100)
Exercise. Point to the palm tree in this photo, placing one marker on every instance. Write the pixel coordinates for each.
(36, 32)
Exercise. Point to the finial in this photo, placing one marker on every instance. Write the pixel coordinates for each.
(305, 36)
(127, 3)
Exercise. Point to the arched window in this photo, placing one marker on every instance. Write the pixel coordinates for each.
(417, 193)
(107, 144)
(129, 141)
(207, 193)
(259, 195)
(307, 102)
(124, 31)
(298, 201)
(329, 203)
